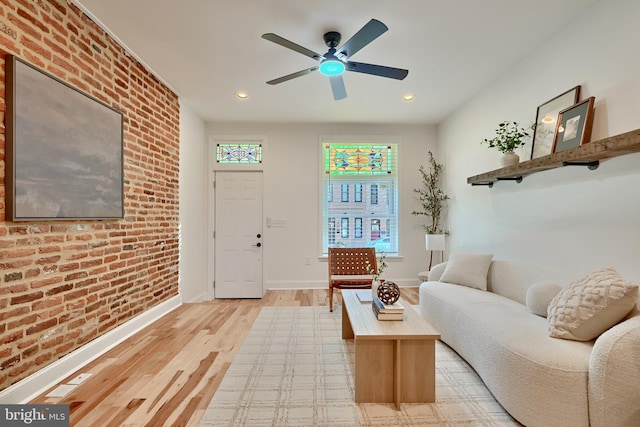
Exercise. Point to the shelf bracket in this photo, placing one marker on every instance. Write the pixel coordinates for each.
(591, 164)
(517, 179)
(488, 184)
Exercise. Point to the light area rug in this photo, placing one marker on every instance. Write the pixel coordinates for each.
(294, 369)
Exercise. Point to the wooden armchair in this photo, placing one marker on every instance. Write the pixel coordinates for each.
(348, 269)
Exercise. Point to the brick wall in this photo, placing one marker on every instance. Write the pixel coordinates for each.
(64, 283)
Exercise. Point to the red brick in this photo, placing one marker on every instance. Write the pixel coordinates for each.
(46, 303)
(76, 294)
(12, 337)
(69, 267)
(14, 312)
(75, 276)
(59, 289)
(8, 363)
(43, 357)
(61, 269)
(46, 282)
(35, 272)
(22, 321)
(21, 368)
(21, 299)
(38, 327)
(11, 265)
(48, 260)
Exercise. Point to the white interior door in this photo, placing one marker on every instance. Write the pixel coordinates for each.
(238, 235)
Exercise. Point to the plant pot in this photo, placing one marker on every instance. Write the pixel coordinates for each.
(510, 158)
(434, 242)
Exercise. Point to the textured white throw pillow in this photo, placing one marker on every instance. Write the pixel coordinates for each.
(467, 270)
(539, 295)
(589, 306)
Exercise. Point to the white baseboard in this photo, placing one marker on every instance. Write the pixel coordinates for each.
(322, 284)
(202, 297)
(38, 382)
(295, 284)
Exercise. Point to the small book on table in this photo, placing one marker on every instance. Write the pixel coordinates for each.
(387, 311)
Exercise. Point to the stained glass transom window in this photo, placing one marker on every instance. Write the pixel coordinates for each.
(242, 153)
(357, 159)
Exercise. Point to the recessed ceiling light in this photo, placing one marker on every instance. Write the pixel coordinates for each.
(242, 95)
(408, 97)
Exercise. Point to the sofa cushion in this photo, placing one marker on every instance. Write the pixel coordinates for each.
(539, 295)
(467, 270)
(591, 305)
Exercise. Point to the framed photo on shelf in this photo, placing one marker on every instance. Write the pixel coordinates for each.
(547, 120)
(574, 126)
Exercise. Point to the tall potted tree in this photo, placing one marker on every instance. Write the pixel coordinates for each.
(433, 200)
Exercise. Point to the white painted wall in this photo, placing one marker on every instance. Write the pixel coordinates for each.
(194, 260)
(571, 218)
(291, 192)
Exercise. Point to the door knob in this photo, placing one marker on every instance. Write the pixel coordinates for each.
(258, 244)
(259, 235)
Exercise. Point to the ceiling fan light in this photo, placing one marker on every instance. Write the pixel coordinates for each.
(332, 67)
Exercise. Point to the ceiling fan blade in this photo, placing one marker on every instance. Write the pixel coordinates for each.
(292, 76)
(291, 45)
(377, 70)
(371, 31)
(337, 87)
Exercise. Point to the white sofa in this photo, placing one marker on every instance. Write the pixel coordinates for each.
(539, 380)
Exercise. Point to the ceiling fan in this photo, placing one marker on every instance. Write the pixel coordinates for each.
(336, 60)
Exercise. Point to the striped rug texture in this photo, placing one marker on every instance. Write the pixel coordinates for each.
(294, 369)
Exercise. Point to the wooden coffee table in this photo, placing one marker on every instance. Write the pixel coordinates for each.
(395, 359)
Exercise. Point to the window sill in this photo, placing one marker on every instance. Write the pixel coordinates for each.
(392, 258)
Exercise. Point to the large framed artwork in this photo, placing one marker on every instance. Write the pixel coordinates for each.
(64, 150)
(574, 126)
(547, 120)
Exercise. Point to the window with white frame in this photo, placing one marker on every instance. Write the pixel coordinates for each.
(374, 194)
(344, 228)
(357, 233)
(344, 193)
(358, 192)
(332, 231)
(368, 170)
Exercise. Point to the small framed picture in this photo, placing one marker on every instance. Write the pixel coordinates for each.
(547, 121)
(574, 126)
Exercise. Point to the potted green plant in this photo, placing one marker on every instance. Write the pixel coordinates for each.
(433, 200)
(509, 136)
(377, 281)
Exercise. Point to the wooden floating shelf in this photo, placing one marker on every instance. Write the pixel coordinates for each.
(588, 155)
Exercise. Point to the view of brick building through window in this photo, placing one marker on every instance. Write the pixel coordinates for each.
(359, 221)
(359, 197)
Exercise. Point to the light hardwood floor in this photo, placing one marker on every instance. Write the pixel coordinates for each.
(166, 374)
